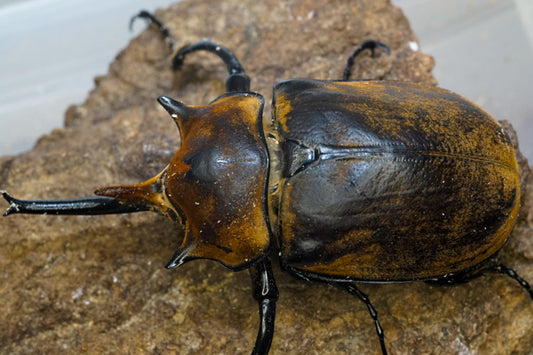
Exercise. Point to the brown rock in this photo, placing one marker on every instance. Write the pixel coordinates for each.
(97, 284)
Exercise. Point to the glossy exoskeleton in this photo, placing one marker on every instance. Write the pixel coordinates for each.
(354, 181)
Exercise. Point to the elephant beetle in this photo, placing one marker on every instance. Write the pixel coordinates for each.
(353, 182)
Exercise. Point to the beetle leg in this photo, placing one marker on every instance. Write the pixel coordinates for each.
(352, 289)
(82, 206)
(502, 269)
(370, 44)
(266, 293)
(237, 80)
(455, 279)
(152, 20)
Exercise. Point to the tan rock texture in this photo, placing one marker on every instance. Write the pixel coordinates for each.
(96, 284)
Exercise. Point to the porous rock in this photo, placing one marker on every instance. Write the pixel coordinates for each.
(96, 284)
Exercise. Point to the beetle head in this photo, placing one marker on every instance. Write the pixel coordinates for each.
(215, 184)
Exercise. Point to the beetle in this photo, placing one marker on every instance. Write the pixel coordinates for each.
(353, 182)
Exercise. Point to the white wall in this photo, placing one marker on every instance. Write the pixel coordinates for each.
(50, 51)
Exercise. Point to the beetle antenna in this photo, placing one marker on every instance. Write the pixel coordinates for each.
(369, 44)
(502, 269)
(152, 20)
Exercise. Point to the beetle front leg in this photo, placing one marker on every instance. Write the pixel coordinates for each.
(152, 20)
(352, 289)
(237, 81)
(266, 294)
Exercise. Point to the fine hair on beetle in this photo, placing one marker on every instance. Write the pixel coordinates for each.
(388, 200)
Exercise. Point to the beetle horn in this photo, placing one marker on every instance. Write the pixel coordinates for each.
(93, 205)
(179, 258)
(175, 108)
(149, 193)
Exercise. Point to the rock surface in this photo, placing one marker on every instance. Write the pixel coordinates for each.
(84, 284)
